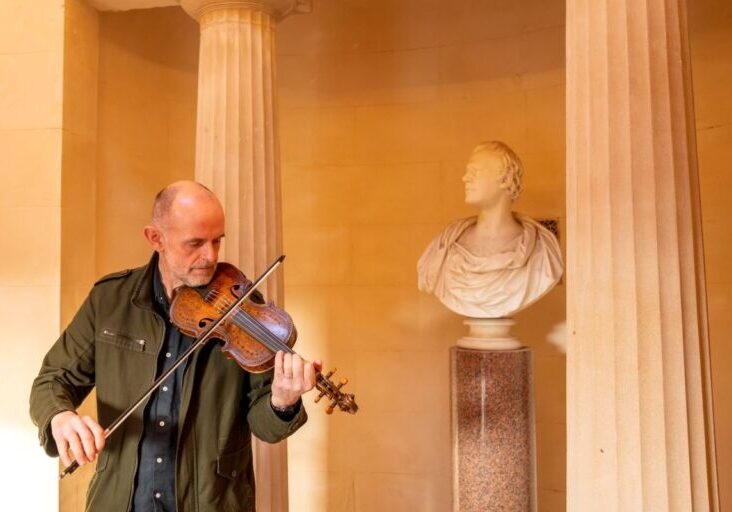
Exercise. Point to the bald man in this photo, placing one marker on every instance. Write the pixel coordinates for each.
(189, 447)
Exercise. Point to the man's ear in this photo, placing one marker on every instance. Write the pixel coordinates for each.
(154, 237)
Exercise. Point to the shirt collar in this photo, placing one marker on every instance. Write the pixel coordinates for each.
(161, 300)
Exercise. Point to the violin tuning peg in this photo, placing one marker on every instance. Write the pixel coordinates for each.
(330, 373)
(331, 407)
(343, 382)
(317, 398)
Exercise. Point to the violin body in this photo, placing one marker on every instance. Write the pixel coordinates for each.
(252, 332)
(194, 309)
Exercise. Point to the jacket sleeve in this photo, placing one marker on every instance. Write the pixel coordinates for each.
(263, 421)
(66, 376)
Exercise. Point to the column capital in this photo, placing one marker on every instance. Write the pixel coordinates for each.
(278, 9)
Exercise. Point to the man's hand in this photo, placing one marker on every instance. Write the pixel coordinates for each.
(293, 377)
(81, 434)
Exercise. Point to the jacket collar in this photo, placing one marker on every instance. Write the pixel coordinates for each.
(142, 296)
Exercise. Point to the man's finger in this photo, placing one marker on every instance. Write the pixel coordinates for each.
(77, 449)
(84, 436)
(309, 376)
(87, 442)
(279, 366)
(97, 430)
(287, 365)
(297, 369)
(63, 451)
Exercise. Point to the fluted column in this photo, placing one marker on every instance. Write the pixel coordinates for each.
(237, 156)
(639, 425)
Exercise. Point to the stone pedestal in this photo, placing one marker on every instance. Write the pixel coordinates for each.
(493, 430)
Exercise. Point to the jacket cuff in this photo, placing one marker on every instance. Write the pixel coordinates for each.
(271, 428)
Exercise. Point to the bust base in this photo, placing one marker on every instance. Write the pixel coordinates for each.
(489, 334)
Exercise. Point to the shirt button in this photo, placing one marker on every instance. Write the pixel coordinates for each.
(165, 388)
(160, 461)
(233, 473)
(157, 495)
(168, 354)
(162, 423)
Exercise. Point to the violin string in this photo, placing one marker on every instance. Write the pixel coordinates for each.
(268, 341)
(262, 332)
(250, 323)
(244, 320)
(254, 327)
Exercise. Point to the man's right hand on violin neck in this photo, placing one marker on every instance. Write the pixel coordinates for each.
(80, 434)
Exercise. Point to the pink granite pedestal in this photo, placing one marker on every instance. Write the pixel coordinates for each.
(493, 436)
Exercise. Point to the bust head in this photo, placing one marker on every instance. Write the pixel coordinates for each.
(492, 175)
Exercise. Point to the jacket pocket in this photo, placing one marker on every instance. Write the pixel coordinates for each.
(231, 465)
(123, 340)
(102, 461)
(99, 480)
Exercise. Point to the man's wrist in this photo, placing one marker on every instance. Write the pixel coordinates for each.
(286, 413)
(281, 408)
(56, 415)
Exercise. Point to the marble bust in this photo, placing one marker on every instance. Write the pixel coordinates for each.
(498, 262)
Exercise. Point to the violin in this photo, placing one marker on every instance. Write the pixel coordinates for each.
(252, 333)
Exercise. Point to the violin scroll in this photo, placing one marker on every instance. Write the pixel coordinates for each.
(344, 401)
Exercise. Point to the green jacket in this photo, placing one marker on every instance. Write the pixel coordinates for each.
(113, 343)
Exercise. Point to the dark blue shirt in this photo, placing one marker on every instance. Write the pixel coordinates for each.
(155, 478)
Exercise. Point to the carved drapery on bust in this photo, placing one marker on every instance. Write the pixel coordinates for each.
(494, 285)
(499, 262)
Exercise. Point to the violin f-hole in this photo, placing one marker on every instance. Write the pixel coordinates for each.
(236, 290)
(203, 322)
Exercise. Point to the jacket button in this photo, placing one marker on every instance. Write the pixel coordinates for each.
(233, 473)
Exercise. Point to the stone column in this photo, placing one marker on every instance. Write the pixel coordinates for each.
(639, 425)
(237, 156)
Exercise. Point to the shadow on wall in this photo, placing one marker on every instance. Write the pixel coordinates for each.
(163, 36)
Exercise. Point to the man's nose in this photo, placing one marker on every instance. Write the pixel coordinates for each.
(210, 252)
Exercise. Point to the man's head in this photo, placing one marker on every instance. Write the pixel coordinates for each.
(493, 173)
(186, 230)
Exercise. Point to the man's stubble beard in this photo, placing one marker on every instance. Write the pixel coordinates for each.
(196, 281)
